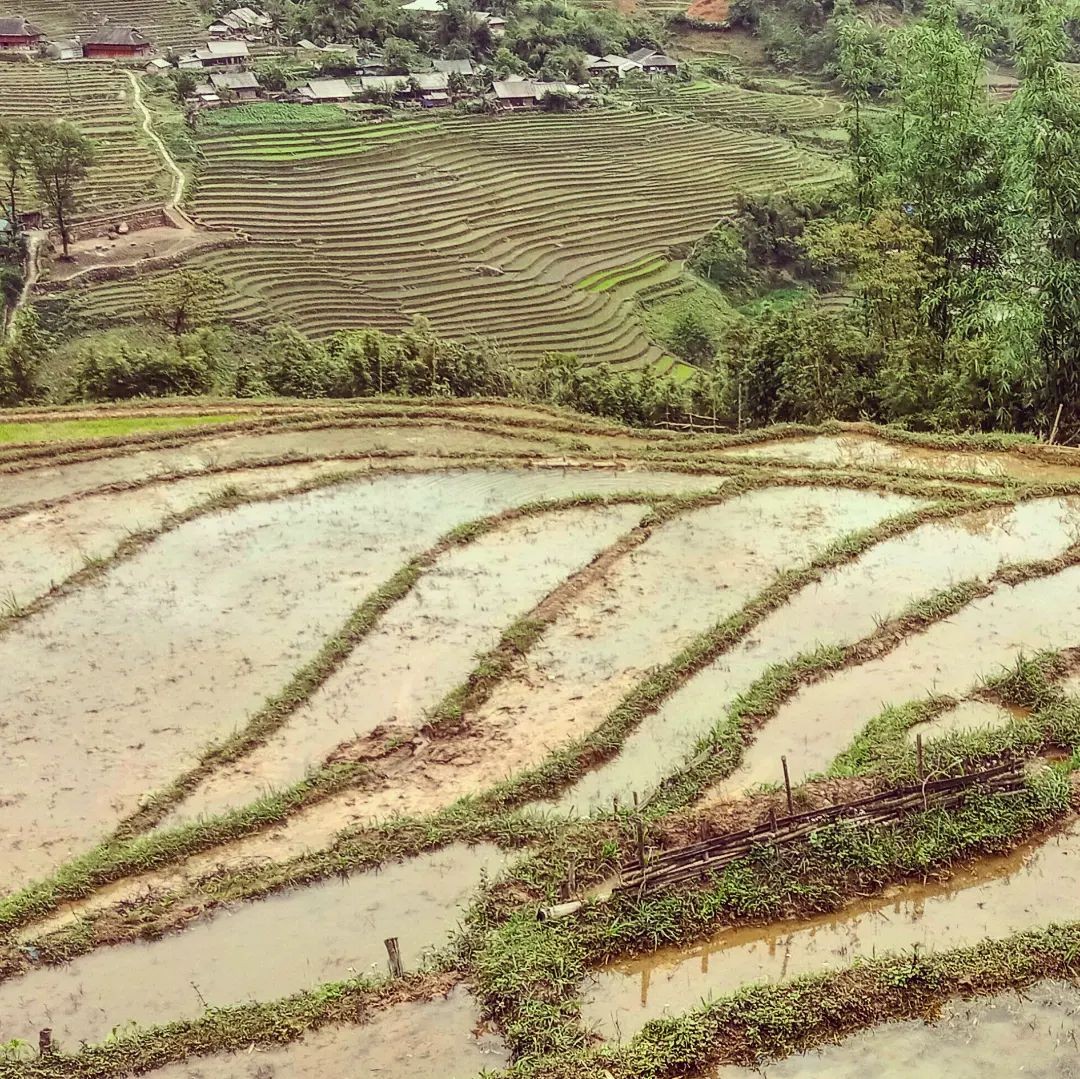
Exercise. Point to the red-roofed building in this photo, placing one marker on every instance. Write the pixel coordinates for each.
(19, 35)
(112, 41)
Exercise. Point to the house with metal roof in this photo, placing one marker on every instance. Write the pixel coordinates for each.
(216, 54)
(241, 85)
(326, 91)
(653, 62)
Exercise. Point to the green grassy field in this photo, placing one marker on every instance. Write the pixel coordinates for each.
(63, 430)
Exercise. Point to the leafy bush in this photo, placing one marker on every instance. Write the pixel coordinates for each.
(109, 374)
(721, 257)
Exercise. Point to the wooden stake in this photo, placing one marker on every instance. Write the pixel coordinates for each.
(615, 804)
(639, 834)
(1053, 430)
(772, 817)
(922, 768)
(44, 1041)
(787, 787)
(636, 802)
(571, 880)
(394, 953)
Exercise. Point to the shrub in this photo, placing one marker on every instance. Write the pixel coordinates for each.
(123, 371)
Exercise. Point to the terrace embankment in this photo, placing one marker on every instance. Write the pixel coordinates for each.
(458, 609)
(948, 658)
(1034, 1034)
(993, 897)
(843, 606)
(437, 1039)
(857, 451)
(646, 605)
(283, 944)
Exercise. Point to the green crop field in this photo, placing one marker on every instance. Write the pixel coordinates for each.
(169, 24)
(97, 98)
(536, 230)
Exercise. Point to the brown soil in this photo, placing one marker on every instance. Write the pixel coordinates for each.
(98, 252)
(709, 10)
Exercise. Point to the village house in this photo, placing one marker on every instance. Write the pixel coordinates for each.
(242, 22)
(599, 66)
(326, 91)
(654, 63)
(64, 48)
(236, 85)
(520, 93)
(205, 96)
(216, 54)
(157, 66)
(113, 42)
(20, 35)
(454, 67)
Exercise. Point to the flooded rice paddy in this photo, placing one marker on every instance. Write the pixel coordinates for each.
(845, 605)
(995, 897)
(176, 646)
(264, 950)
(423, 647)
(949, 658)
(1034, 1034)
(49, 482)
(648, 606)
(859, 451)
(437, 1039)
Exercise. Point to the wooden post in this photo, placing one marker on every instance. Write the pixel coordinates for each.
(44, 1041)
(772, 818)
(615, 804)
(787, 788)
(1053, 430)
(636, 802)
(921, 759)
(571, 880)
(702, 831)
(394, 953)
(639, 835)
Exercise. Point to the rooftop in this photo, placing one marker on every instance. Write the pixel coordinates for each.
(18, 26)
(234, 80)
(329, 89)
(111, 34)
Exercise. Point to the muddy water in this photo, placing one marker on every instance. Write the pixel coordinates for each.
(61, 481)
(858, 451)
(41, 548)
(253, 951)
(177, 646)
(438, 1039)
(966, 716)
(1035, 1034)
(423, 648)
(687, 575)
(948, 658)
(844, 606)
(995, 897)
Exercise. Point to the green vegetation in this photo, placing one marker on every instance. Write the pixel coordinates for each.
(66, 430)
(266, 115)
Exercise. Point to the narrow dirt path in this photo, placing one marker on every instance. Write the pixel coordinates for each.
(180, 179)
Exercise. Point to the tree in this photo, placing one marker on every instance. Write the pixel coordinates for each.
(185, 300)
(59, 155)
(691, 337)
(21, 359)
(184, 83)
(1044, 181)
(12, 165)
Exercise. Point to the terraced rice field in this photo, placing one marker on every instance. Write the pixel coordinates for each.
(298, 690)
(730, 106)
(129, 174)
(169, 24)
(535, 230)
